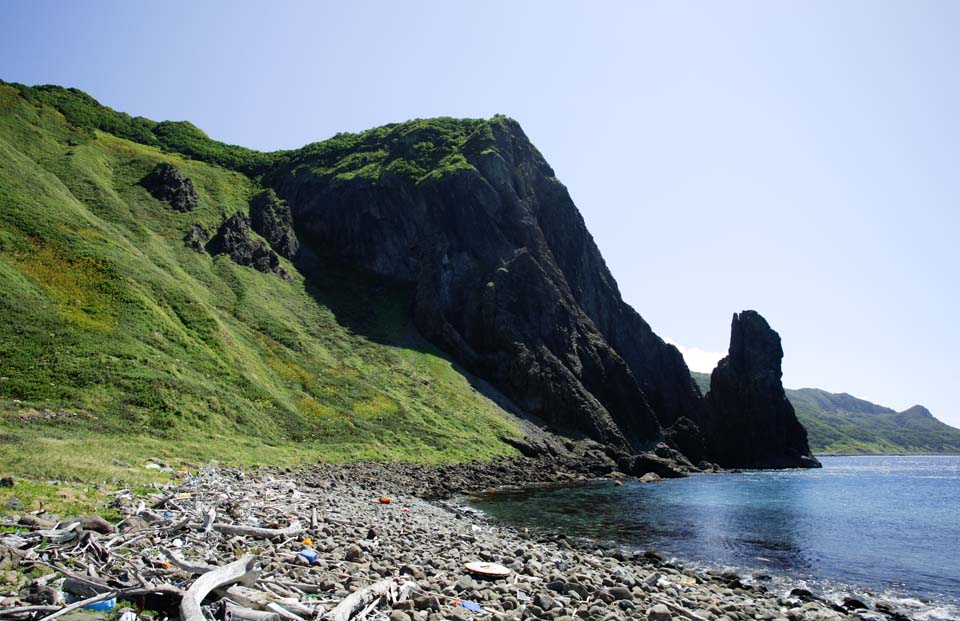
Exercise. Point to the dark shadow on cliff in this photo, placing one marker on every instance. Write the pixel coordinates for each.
(380, 309)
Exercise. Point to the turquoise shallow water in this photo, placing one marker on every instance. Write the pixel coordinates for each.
(884, 527)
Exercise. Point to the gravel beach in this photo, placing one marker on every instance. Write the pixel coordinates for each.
(322, 533)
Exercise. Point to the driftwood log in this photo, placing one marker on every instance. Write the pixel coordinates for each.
(191, 567)
(293, 530)
(244, 570)
(359, 599)
(235, 612)
(262, 600)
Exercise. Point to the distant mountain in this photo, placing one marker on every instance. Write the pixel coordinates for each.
(843, 424)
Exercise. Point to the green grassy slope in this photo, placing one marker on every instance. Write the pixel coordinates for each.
(843, 424)
(119, 343)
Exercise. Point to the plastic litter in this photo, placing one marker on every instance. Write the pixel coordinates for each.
(106, 605)
(384, 500)
(472, 606)
(309, 554)
(488, 570)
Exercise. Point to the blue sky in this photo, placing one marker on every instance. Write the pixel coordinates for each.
(797, 158)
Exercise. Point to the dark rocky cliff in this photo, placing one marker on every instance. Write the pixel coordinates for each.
(507, 279)
(751, 424)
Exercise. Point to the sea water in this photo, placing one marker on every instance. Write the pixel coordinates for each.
(880, 528)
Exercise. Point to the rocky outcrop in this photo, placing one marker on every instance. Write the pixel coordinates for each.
(271, 218)
(751, 424)
(196, 238)
(166, 183)
(234, 239)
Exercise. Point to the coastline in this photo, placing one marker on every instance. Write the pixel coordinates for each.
(359, 541)
(886, 454)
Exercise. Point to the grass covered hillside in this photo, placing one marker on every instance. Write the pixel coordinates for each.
(120, 343)
(843, 424)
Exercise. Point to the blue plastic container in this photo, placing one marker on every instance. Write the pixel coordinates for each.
(310, 554)
(106, 605)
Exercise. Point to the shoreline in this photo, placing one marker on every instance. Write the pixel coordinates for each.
(879, 603)
(886, 454)
(359, 540)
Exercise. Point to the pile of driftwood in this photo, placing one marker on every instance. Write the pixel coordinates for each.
(207, 548)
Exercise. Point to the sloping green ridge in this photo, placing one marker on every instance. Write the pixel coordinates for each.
(118, 342)
(843, 424)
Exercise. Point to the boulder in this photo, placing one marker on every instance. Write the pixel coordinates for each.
(166, 183)
(97, 524)
(639, 465)
(196, 238)
(32, 521)
(132, 524)
(853, 603)
(10, 557)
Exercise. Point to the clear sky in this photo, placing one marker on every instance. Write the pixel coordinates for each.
(797, 158)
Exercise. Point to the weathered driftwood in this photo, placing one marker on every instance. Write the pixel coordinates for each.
(679, 610)
(191, 567)
(293, 530)
(262, 600)
(359, 599)
(208, 518)
(160, 504)
(300, 586)
(55, 536)
(243, 570)
(25, 610)
(96, 568)
(286, 614)
(235, 612)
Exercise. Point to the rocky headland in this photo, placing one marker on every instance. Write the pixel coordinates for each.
(509, 281)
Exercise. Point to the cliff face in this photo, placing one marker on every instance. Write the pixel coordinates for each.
(508, 280)
(751, 423)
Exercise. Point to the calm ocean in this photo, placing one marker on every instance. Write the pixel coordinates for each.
(887, 528)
